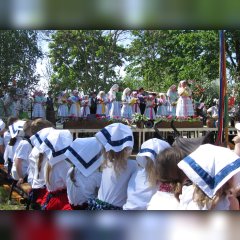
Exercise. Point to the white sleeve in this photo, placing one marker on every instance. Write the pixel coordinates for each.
(23, 150)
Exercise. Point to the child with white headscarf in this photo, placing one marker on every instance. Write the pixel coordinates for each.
(84, 177)
(142, 184)
(169, 180)
(56, 169)
(126, 111)
(211, 169)
(40, 128)
(117, 143)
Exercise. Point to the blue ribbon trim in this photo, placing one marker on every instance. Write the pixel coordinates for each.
(55, 153)
(143, 150)
(212, 182)
(38, 138)
(115, 143)
(81, 160)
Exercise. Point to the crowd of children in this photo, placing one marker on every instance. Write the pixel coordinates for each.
(96, 173)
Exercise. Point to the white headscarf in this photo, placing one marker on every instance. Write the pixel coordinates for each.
(210, 167)
(85, 154)
(151, 148)
(115, 137)
(56, 144)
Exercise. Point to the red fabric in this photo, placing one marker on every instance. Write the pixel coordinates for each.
(59, 200)
(40, 194)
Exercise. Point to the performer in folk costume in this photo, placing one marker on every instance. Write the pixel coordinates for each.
(74, 100)
(135, 103)
(38, 105)
(21, 156)
(84, 177)
(115, 111)
(142, 185)
(56, 170)
(149, 110)
(169, 180)
(117, 143)
(85, 106)
(63, 111)
(102, 103)
(8, 103)
(2, 108)
(162, 105)
(40, 128)
(184, 104)
(126, 111)
(172, 97)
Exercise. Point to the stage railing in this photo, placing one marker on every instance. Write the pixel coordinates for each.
(184, 132)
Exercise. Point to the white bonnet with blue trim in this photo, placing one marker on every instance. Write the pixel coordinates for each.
(56, 144)
(16, 129)
(38, 138)
(151, 148)
(116, 137)
(210, 167)
(85, 154)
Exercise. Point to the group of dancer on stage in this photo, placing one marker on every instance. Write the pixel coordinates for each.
(176, 102)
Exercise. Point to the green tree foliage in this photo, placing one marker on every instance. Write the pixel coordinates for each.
(164, 57)
(19, 53)
(85, 59)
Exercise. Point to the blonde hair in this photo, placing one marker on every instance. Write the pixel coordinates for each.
(167, 170)
(151, 171)
(117, 159)
(39, 124)
(203, 200)
(39, 163)
(48, 172)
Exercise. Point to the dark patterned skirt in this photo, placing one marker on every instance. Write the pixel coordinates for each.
(96, 204)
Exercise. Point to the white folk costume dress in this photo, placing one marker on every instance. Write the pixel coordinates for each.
(115, 110)
(209, 167)
(87, 177)
(75, 106)
(126, 111)
(112, 193)
(149, 110)
(172, 100)
(63, 110)
(85, 108)
(184, 103)
(38, 107)
(139, 190)
(54, 146)
(162, 107)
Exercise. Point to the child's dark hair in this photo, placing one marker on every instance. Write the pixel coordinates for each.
(11, 120)
(167, 170)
